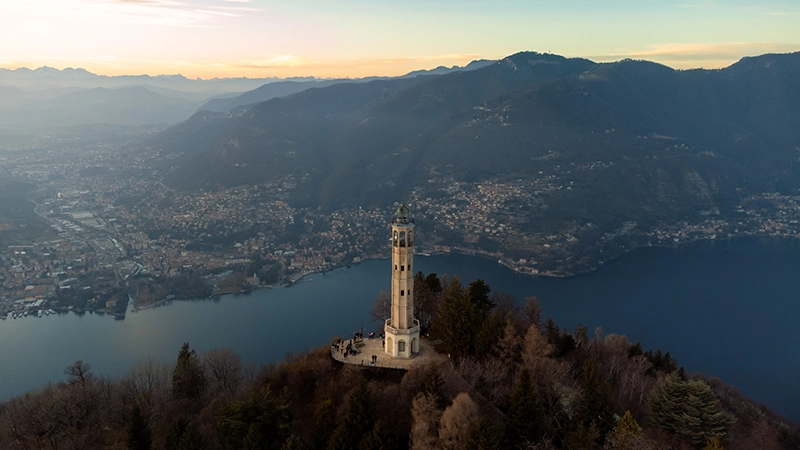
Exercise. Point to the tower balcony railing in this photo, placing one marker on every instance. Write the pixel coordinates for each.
(396, 331)
(402, 221)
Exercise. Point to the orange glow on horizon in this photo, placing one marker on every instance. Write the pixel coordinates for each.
(355, 39)
(286, 68)
(383, 67)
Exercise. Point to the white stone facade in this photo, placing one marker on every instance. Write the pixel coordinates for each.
(402, 329)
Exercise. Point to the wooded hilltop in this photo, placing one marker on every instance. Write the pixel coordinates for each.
(513, 381)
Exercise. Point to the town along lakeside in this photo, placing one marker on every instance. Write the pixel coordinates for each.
(489, 257)
(90, 248)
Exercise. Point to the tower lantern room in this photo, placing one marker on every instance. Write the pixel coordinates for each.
(402, 329)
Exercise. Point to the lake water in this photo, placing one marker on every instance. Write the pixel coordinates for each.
(728, 309)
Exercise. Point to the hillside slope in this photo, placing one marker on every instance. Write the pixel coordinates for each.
(592, 151)
(502, 119)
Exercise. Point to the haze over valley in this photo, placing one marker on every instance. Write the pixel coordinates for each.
(548, 164)
(239, 174)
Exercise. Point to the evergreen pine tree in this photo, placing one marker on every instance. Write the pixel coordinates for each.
(292, 443)
(482, 435)
(628, 423)
(433, 386)
(510, 346)
(596, 404)
(434, 284)
(489, 335)
(455, 322)
(261, 421)
(375, 439)
(357, 423)
(184, 435)
(139, 435)
(625, 433)
(551, 333)
(188, 378)
(478, 294)
(688, 409)
(583, 437)
(525, 421)
(635, 350)
(324, 423)
(714, 444)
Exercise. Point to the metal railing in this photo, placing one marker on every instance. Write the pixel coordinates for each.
(355, 360)
(394, 330)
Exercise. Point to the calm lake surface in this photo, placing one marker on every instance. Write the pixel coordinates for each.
(729, 309)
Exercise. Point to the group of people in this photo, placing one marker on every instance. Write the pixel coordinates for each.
(373, 362)
(350, 347)
(345, 348)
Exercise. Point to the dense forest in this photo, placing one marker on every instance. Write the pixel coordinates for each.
(513, 380)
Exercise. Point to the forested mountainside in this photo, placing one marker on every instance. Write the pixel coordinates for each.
(574, 151)
(514, 381)
(676, 140)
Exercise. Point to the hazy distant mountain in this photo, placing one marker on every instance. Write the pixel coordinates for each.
(284, 88)
(26, 78)
(624, 141)
(31, 97)
(326, 130)
(264, 93)
(124, 106)
(10, 94)
(441, 70)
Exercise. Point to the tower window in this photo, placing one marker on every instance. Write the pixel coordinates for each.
(402, 292)
(402, 268)
(395, 267)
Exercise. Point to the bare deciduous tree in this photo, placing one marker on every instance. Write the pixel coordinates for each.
(505, 303)
(456, 421)
(80, 372)
(382, 308)
(150, 384)
(223, 369)
(532, 313)
(510, 344)
(425, 420)
(535, 347)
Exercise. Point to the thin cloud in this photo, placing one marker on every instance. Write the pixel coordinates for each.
(217, 13)
(711, 55)
(236, 8)
(162, 12)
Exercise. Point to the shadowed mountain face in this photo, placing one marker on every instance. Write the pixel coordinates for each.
(264, 93)
(284, 88)
(636, 140)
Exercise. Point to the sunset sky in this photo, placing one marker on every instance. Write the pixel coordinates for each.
(340, 38)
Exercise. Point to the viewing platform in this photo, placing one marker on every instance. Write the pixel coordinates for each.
(367, 348)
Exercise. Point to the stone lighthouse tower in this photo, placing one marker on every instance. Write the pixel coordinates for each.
(402, 329)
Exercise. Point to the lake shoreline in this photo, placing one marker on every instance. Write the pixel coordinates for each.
(298, 278)
(693, 301)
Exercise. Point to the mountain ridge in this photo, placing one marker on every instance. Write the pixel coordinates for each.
(610, 143)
